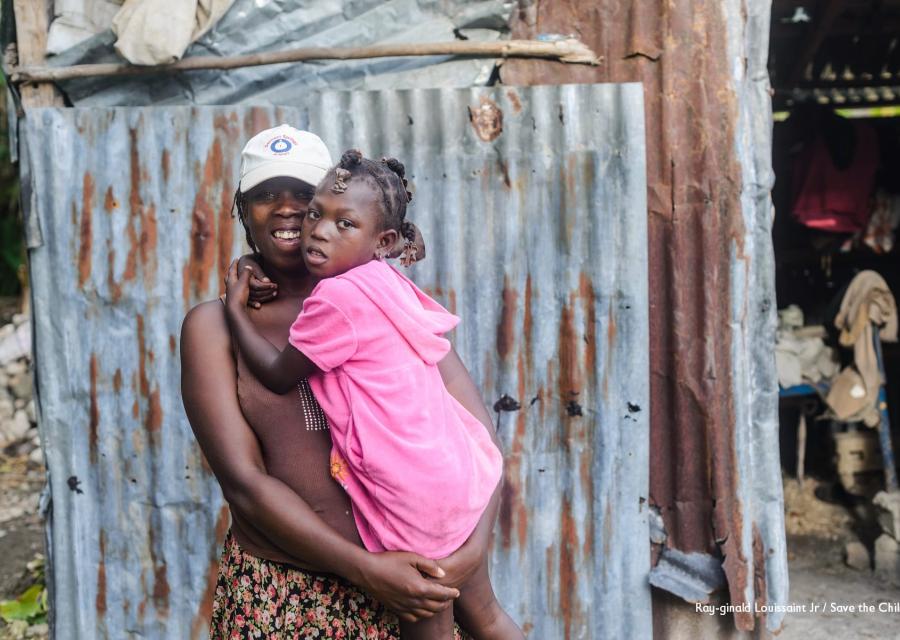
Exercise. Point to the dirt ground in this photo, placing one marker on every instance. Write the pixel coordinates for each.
(818, 531)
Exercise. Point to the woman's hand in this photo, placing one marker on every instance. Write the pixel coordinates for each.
(461, 564)
(396, 580)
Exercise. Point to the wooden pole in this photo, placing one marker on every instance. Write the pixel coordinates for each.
(32, 26)
(570, 51)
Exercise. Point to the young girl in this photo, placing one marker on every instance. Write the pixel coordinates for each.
(418, 467)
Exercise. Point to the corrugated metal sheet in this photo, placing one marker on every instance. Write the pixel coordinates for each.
(133, 208)
(253, 26)
(714, 433)
(533, 203)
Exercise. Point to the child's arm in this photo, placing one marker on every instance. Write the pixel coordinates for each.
(278, 370)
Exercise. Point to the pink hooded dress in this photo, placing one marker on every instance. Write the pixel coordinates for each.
(418, 467)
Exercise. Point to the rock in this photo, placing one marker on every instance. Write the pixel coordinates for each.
(887, 559)
(15, 368)
(16, 344)
(22, 387)
(29, 410)
(18, 427)
(36, 456)
(888, 512)
(19, 403)
(857, 556)
(7, 330)
(4, 379)
(6, 410)
(38, 630)
(19, 318)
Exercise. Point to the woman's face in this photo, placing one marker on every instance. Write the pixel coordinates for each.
(275, 211)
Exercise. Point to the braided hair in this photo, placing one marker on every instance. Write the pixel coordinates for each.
(388, 177)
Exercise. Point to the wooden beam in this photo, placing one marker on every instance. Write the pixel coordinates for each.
(32, 25)
(571, 51)
(824, 21)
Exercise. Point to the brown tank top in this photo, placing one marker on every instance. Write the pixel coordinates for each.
(296, 444)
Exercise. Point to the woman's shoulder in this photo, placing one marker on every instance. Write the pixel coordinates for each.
(205, 323)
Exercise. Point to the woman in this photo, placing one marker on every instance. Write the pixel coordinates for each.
(293, 562)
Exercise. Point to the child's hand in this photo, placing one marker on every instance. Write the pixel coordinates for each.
(237, 286)
(262, 290)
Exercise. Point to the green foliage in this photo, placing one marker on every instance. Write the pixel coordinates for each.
(31, 606)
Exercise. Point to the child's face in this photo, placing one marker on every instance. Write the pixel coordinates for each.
(343, 230)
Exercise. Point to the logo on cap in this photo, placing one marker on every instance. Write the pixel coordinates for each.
(280, 145)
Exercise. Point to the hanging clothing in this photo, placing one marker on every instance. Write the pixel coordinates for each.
(867, 303)
(831, 198)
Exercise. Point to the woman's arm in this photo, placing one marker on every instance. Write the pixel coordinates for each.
(465, 560)
(209, 392)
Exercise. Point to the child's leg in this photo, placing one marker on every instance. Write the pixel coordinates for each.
(479, 613)
(437, 627)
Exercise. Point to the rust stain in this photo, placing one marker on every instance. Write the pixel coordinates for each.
(85, 230)
(153, 419)
(173, 344)
(588, 300)
(204, 611)
(164, 164)
(148, 238)
(585, 474)
(135, 410)
(115, 289)
(110, 203)
(506, 332)
(94, 424)
(514, 100)
(568, 569)
(507, 499)
(694, 215)
(451, 300)
(100, 602)
(759, 570)
(528, 327)
(143, 382)
(487, 120)
(160, 588)
(570, 382)
(199, 268)
(117, 381)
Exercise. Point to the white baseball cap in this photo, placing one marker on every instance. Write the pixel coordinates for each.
(284, 151)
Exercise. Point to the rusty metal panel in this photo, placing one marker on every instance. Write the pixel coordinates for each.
(714, 464)
(533, 204)
(133, 207)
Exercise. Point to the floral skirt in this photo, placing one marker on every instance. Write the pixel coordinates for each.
(258, 598)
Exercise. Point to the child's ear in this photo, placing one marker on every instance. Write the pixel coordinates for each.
(388, 239)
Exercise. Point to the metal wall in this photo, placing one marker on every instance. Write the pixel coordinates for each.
(533, 202)
(715, 473)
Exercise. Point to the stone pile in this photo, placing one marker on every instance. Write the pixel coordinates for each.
(887, 546)
(18, 426)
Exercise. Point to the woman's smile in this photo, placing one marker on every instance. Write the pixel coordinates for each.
(287, 236)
